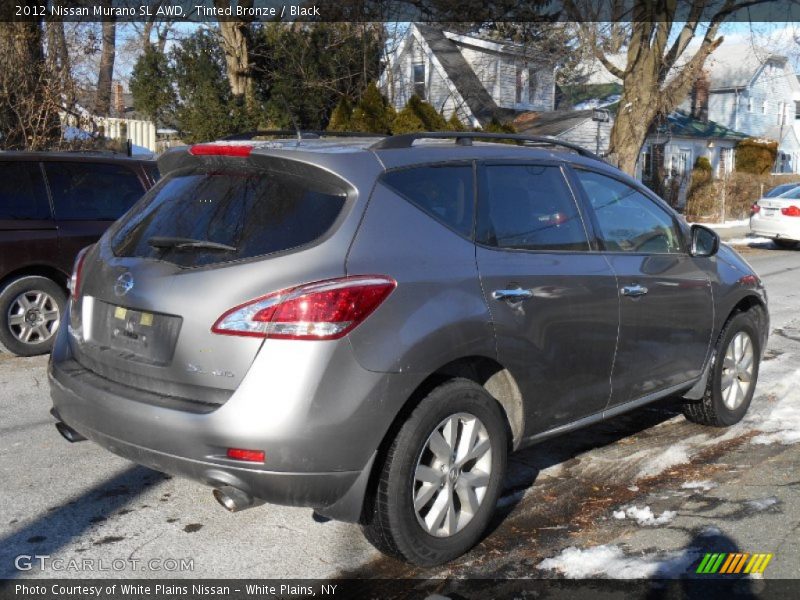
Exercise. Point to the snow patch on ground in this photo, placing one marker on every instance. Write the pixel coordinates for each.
(674, 455)
(611, 561)
(779, 421)
(726, 224)
(703, 486)
(644, 516)
(748, 241)
(762, 503)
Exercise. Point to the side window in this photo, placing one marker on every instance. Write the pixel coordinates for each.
(529, 207)
(629, 221)
(22, 191)
(444, 192)
(92, 191)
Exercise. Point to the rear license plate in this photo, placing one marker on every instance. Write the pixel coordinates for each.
(770, 212)
(148, 335)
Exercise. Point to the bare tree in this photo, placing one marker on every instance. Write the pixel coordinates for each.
(658, 68)
(236, 44)
(105, 73)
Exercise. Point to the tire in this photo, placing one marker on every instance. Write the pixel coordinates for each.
(785, 244)
(31, 308)
(724, 405)
(391, 521)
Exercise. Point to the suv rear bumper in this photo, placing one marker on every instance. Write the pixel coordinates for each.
(319, 442)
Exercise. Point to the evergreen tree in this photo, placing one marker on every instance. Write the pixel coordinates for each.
(407, 121)
(342, 116)
(151, 87)
(454, 123)
(371, 115)
(431, 119)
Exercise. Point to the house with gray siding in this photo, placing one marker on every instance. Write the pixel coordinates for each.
(574, 126)
(477, 78)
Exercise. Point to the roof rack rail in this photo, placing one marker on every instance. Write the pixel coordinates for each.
(465, 138)
(306, 135)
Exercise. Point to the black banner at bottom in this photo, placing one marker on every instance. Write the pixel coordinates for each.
(366, 589)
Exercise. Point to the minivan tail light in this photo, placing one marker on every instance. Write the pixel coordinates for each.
(791, 211)
(237, 150)
(75, 280)
(325, 310)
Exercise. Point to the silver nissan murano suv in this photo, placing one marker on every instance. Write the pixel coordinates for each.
(368, 326)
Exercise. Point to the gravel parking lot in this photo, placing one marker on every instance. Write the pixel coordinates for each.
(641, 495)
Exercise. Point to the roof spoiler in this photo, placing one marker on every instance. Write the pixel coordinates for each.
(465, 138)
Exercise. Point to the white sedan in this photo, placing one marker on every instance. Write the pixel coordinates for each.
(778, 218)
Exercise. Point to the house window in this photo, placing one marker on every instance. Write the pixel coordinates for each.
(749, 105)
(419, 80)
(647, 163)
(764, 107)
(780, 113)
(796, 109)
(520, 77)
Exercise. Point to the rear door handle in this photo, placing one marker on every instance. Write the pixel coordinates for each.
(515, 295)
(634, 290)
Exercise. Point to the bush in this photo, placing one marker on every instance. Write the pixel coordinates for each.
(741, 190)
(370, 114)
(756, 156)
(454, 123)
(341, 117)
(407, 121)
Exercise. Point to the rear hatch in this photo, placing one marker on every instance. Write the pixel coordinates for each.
(207, 238)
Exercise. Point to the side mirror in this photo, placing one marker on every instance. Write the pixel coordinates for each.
(705, 241)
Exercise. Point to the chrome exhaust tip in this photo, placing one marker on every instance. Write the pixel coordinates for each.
(68, 433)
(234, 500)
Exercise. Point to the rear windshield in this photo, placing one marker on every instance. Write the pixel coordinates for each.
(241, 213)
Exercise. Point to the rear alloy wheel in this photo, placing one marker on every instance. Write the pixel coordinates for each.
(441, 478)
(733, 376)
(30, 313)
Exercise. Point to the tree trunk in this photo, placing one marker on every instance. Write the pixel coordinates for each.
(105, 74)
(637, 110)
(236, 46)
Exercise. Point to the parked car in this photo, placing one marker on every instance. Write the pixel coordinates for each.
(778, 218)
(368, 328)
(52, 205)
(780, 189)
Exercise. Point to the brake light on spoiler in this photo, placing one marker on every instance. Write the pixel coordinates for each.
(236, 150)
(324, 310)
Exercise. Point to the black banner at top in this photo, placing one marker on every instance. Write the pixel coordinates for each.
(400, 10)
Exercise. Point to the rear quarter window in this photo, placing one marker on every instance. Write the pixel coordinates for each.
(445, 192)
(252, 212)
(22, 192)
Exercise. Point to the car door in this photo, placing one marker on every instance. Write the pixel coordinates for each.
(88, 197)
(553, 300)
(666, 305)
(28, 234)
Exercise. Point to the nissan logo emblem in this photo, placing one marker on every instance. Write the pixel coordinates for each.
(124, 284)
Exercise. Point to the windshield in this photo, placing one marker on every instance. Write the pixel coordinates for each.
(201, 217)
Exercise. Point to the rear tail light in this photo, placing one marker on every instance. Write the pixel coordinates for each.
(237, 150)
(791, 211)
(246, 455)
(755, 209)
(76, 278)
(325, 310)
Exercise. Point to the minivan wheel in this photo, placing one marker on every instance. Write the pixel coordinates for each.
(30, 312)
(441, 478)
(733, 377)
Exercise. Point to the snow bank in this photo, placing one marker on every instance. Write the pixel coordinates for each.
(762, 504)
(703, 486)
(726, 224)
(779, 421)
(644, 516)
(748, 241)
(674, 455)
(611, 561)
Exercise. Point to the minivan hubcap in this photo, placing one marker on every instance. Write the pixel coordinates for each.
(452, 475)
(737, 370)
(33, 317)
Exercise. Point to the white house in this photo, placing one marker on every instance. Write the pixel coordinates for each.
(479, 79)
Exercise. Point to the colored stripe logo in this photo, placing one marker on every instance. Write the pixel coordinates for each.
(732, 563)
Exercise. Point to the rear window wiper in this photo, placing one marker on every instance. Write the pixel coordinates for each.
(177, 243)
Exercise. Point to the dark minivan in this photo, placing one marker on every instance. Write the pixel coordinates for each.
(52, 205)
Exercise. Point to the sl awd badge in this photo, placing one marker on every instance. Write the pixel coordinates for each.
(124, 284)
